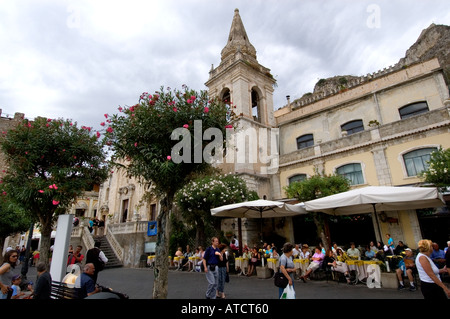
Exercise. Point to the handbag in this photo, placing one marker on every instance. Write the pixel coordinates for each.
(280, 280)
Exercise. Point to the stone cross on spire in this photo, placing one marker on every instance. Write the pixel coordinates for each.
(238, 40)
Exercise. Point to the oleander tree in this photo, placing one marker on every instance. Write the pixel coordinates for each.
(318, 186)
(199, 196)
(50, 162)
(438, 171)
(162, 141)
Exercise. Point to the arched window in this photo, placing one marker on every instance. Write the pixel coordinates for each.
(226, 97)
(256, 112)
(416, 161)
(305, 141)
(413, 109)
(297, 178)
(353, 126)
(353, 172)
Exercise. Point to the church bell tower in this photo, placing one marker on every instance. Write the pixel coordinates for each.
(247, 87)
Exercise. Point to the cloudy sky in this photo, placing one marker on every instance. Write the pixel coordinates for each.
(80, 59)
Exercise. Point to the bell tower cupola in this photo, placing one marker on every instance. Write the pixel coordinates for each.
(240, 80)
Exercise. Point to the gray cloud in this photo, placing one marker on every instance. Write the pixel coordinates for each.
(81, 59)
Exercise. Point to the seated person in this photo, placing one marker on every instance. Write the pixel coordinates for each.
(179, 253)
(331, 262)
(438, 256)
(305, 253)
(200, 252)
(296, 251)
(369, 253)
(185, 262)
(274, 253)
(400, 248)
(353, 252)
(254, 259)
(408, 266)
(84, 284)
(316, 262)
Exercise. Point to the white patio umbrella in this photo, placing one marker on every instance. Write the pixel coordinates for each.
(259, 208)
(377, 198)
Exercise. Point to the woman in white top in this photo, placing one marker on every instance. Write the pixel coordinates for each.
(430, 282)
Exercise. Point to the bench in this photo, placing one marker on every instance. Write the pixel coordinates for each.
(61, 290)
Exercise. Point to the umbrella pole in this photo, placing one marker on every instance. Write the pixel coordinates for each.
(260, 212)
(378, 222)
(240, 235)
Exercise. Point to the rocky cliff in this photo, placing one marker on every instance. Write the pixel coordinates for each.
(433, 42)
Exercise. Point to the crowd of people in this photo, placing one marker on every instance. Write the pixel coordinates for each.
(12, 286)
(402, 260)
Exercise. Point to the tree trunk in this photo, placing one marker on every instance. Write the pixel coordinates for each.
(200, 233)
(161, 270)
(319, 221)
(45, 242)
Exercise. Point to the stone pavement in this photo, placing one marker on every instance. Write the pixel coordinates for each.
(138, 284)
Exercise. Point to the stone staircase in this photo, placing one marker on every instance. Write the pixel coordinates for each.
(113, 261)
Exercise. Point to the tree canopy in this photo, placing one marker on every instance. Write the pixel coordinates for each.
(162, 141)
(318, 186)
(196, 199)
(50, 164)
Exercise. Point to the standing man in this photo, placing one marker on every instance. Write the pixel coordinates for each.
(210, 262)
(96, 257)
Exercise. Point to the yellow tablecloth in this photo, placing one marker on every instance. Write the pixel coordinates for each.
(301, 265)
(360, 266)
(273, 263)
(151, 260)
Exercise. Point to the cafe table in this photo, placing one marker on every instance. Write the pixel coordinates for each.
(273, 263)
(241, 263)
(301, 264)
(178, 261)
(193, 261)
(361, 268)
(151, 260)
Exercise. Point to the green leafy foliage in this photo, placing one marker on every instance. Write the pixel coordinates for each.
(140, 135)
(50, 163)
(317, 186)
(438, 172)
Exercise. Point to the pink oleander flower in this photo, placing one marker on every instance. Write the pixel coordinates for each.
(169, 157)
(206, 109)
(175, 109)
(106, 115)
(102, 123)
(98, 134)
(55, 202)
(185, 126)
(109, 129)
(229, 126)
(135, 144)
(41, 191)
